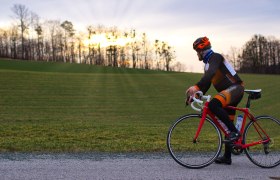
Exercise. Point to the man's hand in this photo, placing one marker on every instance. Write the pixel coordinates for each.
(192, 90)
(190, 93)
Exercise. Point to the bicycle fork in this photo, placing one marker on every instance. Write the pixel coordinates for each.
(202, 120)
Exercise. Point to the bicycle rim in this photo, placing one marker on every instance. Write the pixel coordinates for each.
(187, 153)
(265, 155)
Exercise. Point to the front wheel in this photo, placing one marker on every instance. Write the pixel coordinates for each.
(267, 153)
(186, 152)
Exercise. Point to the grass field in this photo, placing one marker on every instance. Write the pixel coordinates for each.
(52, 107)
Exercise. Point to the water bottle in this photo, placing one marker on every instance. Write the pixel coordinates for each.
(224, 126)
(239, 122)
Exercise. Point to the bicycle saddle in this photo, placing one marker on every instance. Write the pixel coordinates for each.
(253, 94)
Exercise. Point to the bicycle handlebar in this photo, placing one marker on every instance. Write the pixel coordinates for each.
(198, 100)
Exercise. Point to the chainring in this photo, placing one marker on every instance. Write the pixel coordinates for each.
(236, 150)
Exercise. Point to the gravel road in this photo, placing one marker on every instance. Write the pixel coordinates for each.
(122, 166)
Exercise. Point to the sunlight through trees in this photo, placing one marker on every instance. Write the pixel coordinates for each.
(30, 38)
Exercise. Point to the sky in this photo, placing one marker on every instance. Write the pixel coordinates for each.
(227, 23)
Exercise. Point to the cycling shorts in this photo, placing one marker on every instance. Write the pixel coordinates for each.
(231, 97)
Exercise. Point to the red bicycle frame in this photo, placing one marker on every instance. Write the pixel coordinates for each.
(240, 142)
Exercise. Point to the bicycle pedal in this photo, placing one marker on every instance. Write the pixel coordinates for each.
(236, 150)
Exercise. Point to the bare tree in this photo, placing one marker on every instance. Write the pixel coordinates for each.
(157, 53)
(233, 56)
(68, 32)
(4, 43)
(91, 32)
(178, 67)
(22, 14)
(34, 46)
(14, 41)
(112, 50)
(134, 48)
(165, 52)
(145, 47)
(54, 44)
(99, 59)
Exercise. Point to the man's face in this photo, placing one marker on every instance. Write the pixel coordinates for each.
(199, 54)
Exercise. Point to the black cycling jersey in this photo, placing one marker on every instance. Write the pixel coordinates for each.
(218, 72)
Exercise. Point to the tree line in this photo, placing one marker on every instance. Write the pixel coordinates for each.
(51, 40)
(30, 38)
(259, 55)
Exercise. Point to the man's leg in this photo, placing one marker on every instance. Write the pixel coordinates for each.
(216, 107)
(226, 158)
(231, 113)
(232, 96)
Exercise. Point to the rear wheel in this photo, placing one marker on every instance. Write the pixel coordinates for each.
(192, 154)
(267, 154)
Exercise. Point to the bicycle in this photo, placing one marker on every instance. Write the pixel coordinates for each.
(195, 140)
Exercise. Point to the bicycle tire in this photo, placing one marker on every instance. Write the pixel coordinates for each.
(265, 155)
(188, 153)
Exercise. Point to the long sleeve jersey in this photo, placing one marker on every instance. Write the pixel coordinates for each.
(218, 72)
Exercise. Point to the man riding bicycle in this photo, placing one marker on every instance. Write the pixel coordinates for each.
(228, 84)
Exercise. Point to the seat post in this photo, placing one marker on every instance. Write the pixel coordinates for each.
(252, 95)
(248, 102)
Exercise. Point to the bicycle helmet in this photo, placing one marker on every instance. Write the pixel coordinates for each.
(201, 44)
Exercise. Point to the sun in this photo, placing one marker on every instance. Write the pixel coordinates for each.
(102, 40)
(96, 40)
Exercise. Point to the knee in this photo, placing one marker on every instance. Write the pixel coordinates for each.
(215, 104)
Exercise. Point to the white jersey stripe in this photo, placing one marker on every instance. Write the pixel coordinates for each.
(229, 67)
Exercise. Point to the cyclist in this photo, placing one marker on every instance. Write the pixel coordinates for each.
(228, 84)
